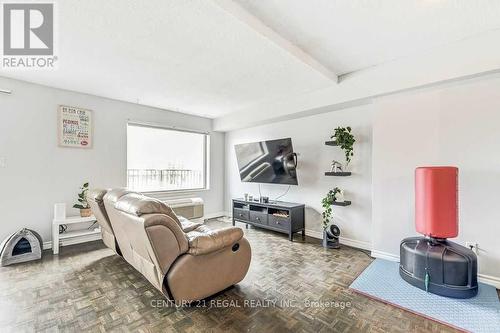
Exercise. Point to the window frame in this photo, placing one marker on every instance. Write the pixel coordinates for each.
(206, 156)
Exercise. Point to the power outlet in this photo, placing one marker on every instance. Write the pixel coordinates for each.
(473, 246)
(3, 162)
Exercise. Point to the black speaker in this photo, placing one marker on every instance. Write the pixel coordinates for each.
(331, 237)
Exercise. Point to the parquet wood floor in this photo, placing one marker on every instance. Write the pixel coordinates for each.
(291, 287)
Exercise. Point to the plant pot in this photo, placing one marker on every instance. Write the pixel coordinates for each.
(86, 212)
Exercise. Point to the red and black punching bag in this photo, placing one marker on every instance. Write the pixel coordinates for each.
(433, 263)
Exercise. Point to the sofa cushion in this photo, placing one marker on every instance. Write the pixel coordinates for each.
(138, 204)
(203, 240)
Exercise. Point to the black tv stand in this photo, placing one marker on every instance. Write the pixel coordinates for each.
(285, 217)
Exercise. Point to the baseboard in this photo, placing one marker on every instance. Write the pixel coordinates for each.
(343, 240)
(72, 241)
(488, 279)
(356, 243)
(314, 234)
(384, 255)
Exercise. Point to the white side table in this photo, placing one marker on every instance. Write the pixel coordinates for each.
(56, 237)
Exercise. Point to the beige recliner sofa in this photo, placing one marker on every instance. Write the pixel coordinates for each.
(186, 261)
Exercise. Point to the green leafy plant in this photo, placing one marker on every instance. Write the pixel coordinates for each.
(326, 202)
(345, 140)
(82, 198)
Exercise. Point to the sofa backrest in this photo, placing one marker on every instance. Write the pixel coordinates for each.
(148, 232)
(109, 201)
(94, 198)
(96, 203)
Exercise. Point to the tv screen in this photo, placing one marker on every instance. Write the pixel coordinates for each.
(270, 161)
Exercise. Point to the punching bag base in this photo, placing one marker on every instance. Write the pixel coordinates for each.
(439, 266)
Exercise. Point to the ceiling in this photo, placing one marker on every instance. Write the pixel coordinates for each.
(348, 36)
(218, 57)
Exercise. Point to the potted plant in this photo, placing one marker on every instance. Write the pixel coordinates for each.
(82, 204)
(326, 202)
(345, 139)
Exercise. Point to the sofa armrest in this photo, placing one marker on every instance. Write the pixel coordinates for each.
(187, 225)
(152, 220)
(203, 240)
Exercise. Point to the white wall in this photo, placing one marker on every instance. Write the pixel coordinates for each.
(308, 136)
(454, 125)
(38, 173)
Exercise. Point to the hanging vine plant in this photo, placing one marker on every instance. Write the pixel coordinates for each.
(326, 202)
(345, 140)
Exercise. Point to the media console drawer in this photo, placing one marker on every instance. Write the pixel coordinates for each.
(257, 217)
(241, 214)
(279, 222)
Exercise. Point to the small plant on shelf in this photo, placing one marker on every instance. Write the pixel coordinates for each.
(82, 203)
(345, 139)
(326, 202)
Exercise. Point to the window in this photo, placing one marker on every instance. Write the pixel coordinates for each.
(160, 159)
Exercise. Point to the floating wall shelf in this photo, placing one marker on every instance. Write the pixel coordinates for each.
(341, 203)
(338, 174)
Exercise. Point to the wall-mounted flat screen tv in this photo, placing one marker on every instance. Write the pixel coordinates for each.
(272, 162)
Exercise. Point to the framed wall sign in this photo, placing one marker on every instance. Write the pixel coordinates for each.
(74, 127)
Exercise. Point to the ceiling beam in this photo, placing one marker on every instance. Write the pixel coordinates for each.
(258, 26)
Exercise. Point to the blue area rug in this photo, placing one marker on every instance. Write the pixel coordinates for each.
(480, 314)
